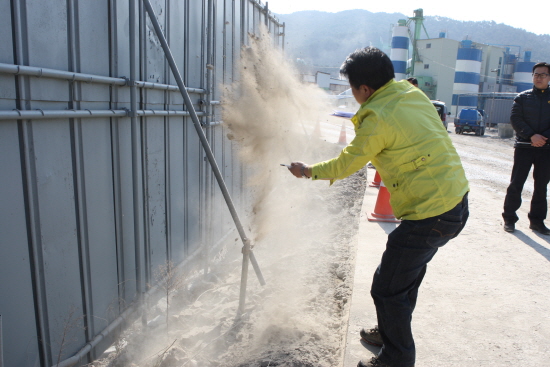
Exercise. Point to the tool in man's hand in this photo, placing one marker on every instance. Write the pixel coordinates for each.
(286, 165)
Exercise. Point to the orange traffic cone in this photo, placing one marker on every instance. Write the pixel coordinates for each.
(343, 139)
(317, 130)
(382, 210)
(376, 181)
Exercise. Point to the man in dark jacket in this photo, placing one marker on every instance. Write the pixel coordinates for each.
(530, 119)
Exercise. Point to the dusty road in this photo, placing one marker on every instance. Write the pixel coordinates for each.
(485, 300)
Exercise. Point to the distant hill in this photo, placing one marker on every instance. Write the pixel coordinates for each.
(324, 39)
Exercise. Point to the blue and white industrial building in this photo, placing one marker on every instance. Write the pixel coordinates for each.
(459, 72)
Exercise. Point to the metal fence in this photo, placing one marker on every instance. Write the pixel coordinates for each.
(103, 177)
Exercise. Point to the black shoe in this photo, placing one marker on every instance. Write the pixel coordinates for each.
(374, 362)
(509, 227)
(372, 336)
(540, 228)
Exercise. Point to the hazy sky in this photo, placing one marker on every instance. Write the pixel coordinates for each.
(519, 14)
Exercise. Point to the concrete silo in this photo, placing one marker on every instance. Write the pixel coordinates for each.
(467, 70)
(523, 71)
(400, 49)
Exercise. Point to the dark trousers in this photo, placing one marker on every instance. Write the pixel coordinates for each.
(524, 158)
(396, 280)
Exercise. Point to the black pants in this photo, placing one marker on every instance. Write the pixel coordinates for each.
(395, 283)
(524, 158)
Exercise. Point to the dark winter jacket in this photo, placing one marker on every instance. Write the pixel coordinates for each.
(530, 116)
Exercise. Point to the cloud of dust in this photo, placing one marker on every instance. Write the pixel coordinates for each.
(272, 115)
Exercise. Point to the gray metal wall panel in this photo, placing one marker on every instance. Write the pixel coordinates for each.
(6, 46)
(221, 211)
(195, 49)
(153, 62)
(58, 233)
(100, 220)
(153, 99)
(175, 100)
(194, 158)
(156, 196)
(237, 23)
(122, 147)
(49, 27)
(93, 36)
(18, 323)
(259, 19)
(220, 56)
(249, 20)
(176, 39)
(231, 39)
(228, 163)
(7, 92)
(219, 48)
(120, 35)
(177, 215)
(92, 46)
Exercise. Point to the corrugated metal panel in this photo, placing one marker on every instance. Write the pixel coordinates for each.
(7, 92)
(16, 288)
(58, 231)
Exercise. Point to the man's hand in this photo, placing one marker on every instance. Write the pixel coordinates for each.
(538, 140)
(299, 169)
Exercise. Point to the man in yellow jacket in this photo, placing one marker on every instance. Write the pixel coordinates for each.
(399, 130)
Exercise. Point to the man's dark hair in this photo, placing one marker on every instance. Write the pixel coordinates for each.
(542, 64)
(368, 66)
(412, 80)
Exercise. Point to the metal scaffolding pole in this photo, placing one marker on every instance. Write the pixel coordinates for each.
(86, 78)
(247, 250)
(82, 114)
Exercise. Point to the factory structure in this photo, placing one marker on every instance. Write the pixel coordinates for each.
(462, 74)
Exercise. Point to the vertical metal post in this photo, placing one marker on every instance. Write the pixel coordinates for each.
(266, 13)
(244, 7)
(284, 34)
(135, 155)
(208, 121)
(247, 251)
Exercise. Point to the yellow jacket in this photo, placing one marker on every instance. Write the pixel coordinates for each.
(400, 132)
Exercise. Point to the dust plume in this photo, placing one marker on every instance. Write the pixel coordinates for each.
(272, 116)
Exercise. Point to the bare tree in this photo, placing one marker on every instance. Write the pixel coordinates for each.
(170, 281)
(70, 324)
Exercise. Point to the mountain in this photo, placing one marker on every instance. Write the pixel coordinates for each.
(323, 40)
